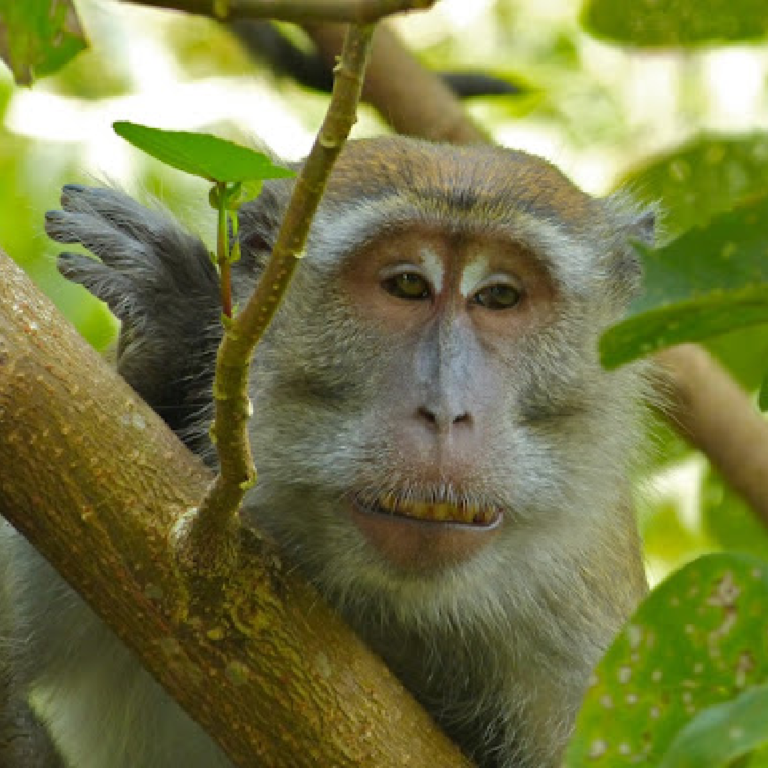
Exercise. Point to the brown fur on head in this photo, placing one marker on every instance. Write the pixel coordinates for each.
(484, 179)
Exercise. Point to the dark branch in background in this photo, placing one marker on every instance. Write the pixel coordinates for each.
(710, 410)
(268, 44)
(297, 11)
(413, 100)
(468, 84)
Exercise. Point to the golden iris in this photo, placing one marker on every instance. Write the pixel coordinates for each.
(407, 285)
(499, 296)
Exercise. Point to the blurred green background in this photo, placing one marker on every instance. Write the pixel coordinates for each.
(607, 113)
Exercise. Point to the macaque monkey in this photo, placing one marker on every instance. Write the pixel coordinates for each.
(439, 450)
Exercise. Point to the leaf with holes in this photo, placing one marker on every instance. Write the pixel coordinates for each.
(711, 280)
(698, 640)
(201, 154)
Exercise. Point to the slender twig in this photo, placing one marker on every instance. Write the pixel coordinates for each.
(298, 11)
(207, 534)
(222, 250)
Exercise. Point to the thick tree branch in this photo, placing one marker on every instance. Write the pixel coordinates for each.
(298, 11)
(707, 406)
(413, 100)
(96, 481)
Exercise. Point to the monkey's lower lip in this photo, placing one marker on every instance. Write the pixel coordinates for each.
(425, 536)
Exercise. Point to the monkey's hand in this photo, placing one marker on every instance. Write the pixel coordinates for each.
(158, 280)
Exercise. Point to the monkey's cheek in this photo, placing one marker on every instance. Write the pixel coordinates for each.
(420, 545)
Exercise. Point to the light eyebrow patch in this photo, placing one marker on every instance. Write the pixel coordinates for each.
(433, 267)
(472, 275)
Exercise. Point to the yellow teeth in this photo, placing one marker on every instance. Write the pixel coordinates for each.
(438, 511)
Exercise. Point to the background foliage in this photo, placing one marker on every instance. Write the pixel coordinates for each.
(668, 99)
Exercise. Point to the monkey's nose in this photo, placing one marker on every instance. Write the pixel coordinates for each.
(443, 418)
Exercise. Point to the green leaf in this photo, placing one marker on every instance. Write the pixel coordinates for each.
(711, 280)
(722, 733)
(698, 640)
(702, 178)
(38, 37)
(654, 24)
(690, 185)
(250, 190)
(744, 353)
(201, 154)
(759, 759)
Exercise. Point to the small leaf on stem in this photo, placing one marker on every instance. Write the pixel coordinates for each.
(201, 154)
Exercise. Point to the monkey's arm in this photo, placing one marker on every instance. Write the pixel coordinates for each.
(158, 280)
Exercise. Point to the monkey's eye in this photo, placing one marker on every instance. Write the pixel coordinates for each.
(407, 285)
(498, 296)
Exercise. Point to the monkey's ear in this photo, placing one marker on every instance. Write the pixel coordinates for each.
(632, 225)
(643, 227)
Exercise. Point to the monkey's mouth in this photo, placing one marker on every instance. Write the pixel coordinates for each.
(425, 535)
(466, 513)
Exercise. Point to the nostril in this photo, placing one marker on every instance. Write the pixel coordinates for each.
(427, 415)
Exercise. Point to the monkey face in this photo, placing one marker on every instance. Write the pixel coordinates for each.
(429, 404)
(442, 304)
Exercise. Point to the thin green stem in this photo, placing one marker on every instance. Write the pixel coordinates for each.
(222, 250)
